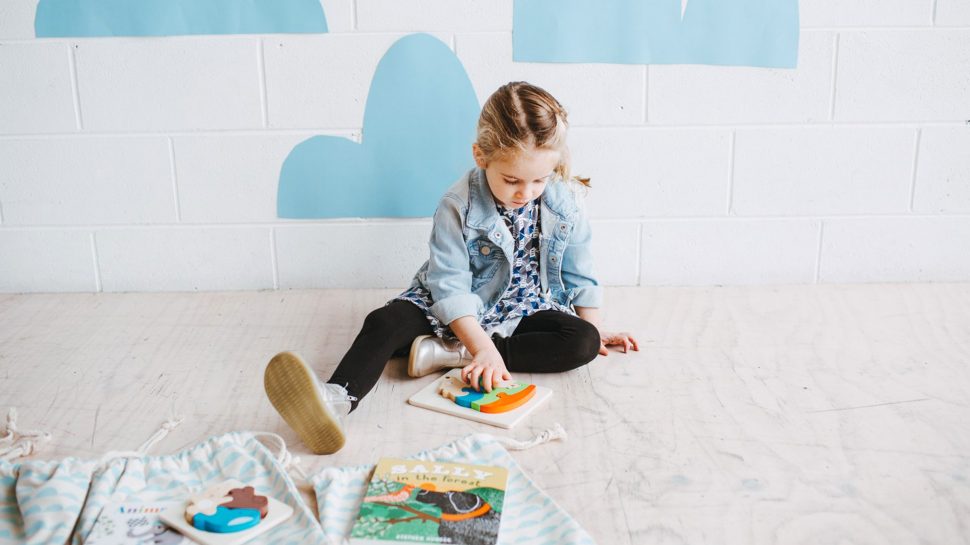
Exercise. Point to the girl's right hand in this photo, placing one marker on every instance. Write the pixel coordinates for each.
(487, 365)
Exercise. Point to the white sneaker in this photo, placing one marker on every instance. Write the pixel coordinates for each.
(430, 353)
(313, 409)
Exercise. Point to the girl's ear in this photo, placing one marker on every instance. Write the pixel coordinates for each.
(479, 156)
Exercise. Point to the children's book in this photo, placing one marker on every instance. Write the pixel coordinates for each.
(504, 407)
(134, 523)
(419, 501)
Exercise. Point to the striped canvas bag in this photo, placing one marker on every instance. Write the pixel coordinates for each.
(56, 502)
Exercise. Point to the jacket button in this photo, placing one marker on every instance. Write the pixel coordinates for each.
(486, 250)
(554, 259)
(562, 226)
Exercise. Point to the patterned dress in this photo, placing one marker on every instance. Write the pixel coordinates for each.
(522, 297)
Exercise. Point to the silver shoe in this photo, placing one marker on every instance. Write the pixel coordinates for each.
(430, 353)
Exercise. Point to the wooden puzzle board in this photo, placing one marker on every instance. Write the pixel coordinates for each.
(429, 398)
(175, 518)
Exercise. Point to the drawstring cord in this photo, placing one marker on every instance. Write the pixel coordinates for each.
(551, 434)
(160, 434)
(284, 457)
(291, 462)
(15, 443)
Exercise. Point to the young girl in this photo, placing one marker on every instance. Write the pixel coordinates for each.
(508, 286)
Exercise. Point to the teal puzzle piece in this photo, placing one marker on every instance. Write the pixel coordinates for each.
(226, 521)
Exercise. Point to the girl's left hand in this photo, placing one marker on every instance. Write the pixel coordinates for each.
(623, 339)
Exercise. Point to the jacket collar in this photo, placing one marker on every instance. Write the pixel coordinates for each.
(482, 213)
(481, 205)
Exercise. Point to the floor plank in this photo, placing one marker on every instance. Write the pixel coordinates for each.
(751, 415)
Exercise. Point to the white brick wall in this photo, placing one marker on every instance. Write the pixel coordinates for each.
(230, 178)
(728, 251)
(855, 13)
(943, 173)
(722, 95)
(185, 259)
(178, 83)
(44, 70)
(665, 172)
(76, 180)
(952, 13)
(896, 249)
(152, 163)
(431, 15)
(355, 255)
(904, 75)
(848, 171)
(596, 94)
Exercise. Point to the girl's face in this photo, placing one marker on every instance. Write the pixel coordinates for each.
(520, 177)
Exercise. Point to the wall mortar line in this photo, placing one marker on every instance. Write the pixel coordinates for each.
(75, 87)
(912, 187)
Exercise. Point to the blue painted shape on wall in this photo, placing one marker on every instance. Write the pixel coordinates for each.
(419, 126)
(90, 18)
(724, 32)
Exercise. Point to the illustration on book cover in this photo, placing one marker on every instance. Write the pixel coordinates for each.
(418, 501)
(134, 523)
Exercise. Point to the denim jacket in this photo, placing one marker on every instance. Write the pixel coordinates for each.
(471, 247)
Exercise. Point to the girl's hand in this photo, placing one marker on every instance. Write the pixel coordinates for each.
(488, 365)
(623, 339)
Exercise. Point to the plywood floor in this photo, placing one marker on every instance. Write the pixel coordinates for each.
(758, 415)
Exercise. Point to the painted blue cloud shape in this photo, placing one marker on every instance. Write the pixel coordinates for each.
(723, 32)
(419, 125)
(91, 18)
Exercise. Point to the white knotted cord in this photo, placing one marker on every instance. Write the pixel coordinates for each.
(159, 434)
(284, 456)
(551, 434)
(15, 443)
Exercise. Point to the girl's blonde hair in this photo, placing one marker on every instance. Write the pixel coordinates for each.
(520, 115)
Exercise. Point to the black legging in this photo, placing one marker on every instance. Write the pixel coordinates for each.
(548, 341)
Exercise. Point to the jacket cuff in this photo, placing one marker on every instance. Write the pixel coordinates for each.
(587, 296)
(451, 308)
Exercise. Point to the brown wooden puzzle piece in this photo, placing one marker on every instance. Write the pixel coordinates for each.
(246, 498)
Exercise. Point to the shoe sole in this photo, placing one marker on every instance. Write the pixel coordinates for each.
(292, 389)
(414, 350)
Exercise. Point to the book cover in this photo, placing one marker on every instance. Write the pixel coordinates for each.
(418, 501)
(134, 523)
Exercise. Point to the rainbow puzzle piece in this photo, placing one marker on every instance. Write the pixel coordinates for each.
(503, 398)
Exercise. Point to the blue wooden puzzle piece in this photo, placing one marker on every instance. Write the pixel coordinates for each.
(470, 396)
(226, 521)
